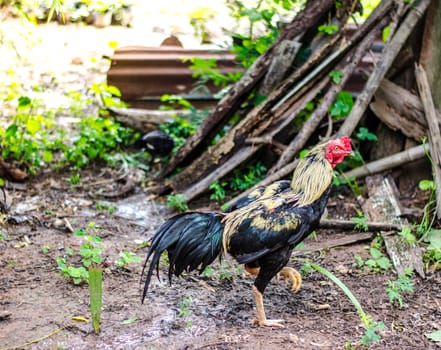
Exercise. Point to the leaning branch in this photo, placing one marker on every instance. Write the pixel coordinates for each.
(391, 51)
(434, 130)
(387, 163)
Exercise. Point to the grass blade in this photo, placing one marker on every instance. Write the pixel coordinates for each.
(342, 286)
(96, 295)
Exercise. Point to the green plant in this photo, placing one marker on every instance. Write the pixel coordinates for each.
(371, 327)
(328, 28)
(377, 261)
(177, 201)
(74, 179)
(97, 138)
(407, 235)
(180, 128)
(364, 134)
(218, 190)
(434, 336)
(252, 175)
(208, 272)
(336, 76)
(77, 274)
(184, 310)
(425, 230)
(342, 105)
(90, 253)
(107, 207)
(127, 258)
(403, 284)
(207, 71)
(360, 222)
(198, 20)
(27, 139)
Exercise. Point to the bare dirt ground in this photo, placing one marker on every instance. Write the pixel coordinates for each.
(39, 309)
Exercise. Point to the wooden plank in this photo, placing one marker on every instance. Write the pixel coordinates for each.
(383, 205)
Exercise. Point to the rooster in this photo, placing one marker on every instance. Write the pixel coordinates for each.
(259, 231)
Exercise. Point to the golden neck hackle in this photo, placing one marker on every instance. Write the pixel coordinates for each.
(312, 176)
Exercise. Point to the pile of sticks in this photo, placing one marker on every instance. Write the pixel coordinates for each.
(269, 125)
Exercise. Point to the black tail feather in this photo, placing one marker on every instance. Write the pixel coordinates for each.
(192, 240)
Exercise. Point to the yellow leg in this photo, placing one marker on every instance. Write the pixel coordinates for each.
(294, 276)
(252, 270)
(288, 272)
(260, 312)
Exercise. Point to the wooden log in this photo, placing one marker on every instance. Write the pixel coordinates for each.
(333, 243)
(391, 51)
(349, 225)
(402, 101)
(263, 112)
(430, 56)
(434, 131)
(280, 66)
(234, 162)
(387, 163)
(348, 66)
(145, 120)
(239, 156)
(383, 205)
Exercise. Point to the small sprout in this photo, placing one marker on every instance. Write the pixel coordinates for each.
(336, 76)
(403, 284)
(328, 29)
(177, 201)
(360, 222)
(127, 258)
(364, 134)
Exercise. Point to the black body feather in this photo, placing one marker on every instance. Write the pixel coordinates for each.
(192, 240)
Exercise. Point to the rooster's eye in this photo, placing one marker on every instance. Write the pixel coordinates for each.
(336, 148)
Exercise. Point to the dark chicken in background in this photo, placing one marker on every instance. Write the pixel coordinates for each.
(259, 231)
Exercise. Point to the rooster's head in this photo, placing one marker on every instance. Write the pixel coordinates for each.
(337, 150)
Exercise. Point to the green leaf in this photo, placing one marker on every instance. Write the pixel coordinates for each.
(24, 101)
(96, 296)
(47, 156)
(364, 134)
(336, 76)
(385, 34)
(328, 29)
(375, 253)
(434, 237)
(425, 185)
(384, 263)
(435, 336)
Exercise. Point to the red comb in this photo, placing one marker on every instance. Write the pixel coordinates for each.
(346, 141)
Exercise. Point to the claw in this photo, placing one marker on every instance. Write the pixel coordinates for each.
(291, 274)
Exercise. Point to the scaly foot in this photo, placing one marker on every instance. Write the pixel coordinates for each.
(291, 274)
